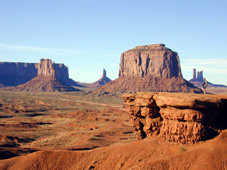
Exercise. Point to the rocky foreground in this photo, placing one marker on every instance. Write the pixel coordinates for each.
(178, 118)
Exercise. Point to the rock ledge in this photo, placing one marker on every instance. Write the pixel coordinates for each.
(177, 117)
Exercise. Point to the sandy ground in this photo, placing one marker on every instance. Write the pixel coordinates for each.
(63, 131)
(38, 121)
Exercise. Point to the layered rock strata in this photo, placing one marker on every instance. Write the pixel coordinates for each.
(156, 60)
(46, 68)
(149, 68)
(14, 73)
(45, 81)
(177, 117)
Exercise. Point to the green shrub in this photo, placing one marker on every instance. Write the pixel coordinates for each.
(181, 150)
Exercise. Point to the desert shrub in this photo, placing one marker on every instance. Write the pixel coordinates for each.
(181, 150)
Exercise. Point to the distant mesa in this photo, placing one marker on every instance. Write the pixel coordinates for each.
(14, 73)
(149, 68)
(46, 79)
(102, 81)
(198, 80)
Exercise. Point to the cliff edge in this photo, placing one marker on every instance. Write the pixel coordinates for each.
(177, 117)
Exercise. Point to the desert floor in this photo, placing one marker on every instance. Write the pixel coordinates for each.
(82, 130)
(31, 121)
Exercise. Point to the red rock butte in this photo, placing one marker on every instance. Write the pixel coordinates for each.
(149, 68)
(156, 60)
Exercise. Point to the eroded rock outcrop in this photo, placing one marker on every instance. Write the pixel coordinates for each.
(99, 83)
(46, 68)
(177, 117)
(197, 80)
(13, 74)
(149, 68)
(156, 60)
(45, 81)
(102, 81)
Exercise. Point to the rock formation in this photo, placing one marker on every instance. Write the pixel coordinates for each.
(149, 68)
(102, 81)
(13, 74)
(46, 80)
(198, 80)
(156, 60)
(177, 117)
(46, 68)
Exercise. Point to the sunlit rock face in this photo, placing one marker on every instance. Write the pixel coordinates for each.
(14, 73)
(156, 60)
(177, 117)
(46, 68)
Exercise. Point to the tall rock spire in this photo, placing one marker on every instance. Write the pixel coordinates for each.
(104, 73)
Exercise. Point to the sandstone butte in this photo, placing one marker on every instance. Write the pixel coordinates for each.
(15, 73)
(165, 119)
(177, 117)
(149, 68)
(156, 60)
(46, 80)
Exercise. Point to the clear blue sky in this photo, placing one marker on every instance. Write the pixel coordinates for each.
(89, 35)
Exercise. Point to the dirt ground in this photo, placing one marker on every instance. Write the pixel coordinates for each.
(80, 131)
(31, 121)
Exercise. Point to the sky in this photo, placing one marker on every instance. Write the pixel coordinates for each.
(89, 35)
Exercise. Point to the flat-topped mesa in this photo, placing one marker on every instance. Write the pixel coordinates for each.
(156, 60)
(13, 73)
(177, 117)
(150, 47)
(46, 68)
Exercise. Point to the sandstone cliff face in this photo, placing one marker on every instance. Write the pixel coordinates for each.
(46, 79)
(177, 117)
(149, 68)
(13, 74)
(45, 68)
(155, 60)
